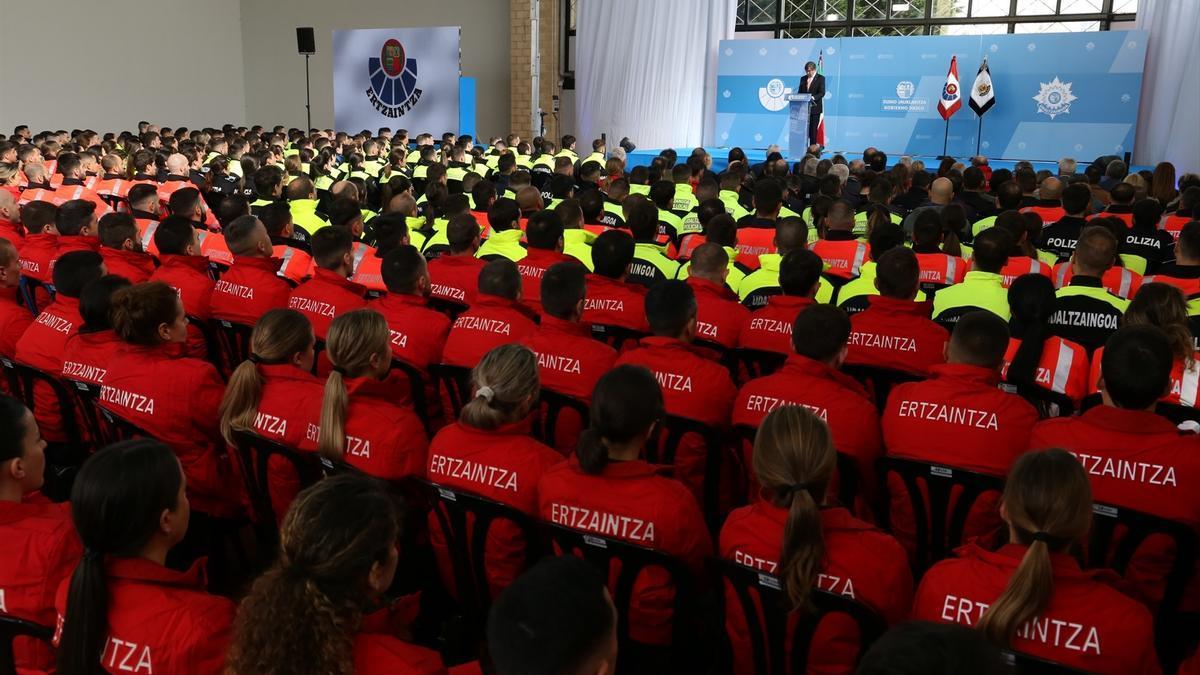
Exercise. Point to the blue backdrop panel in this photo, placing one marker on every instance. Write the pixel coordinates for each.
(1057, 94)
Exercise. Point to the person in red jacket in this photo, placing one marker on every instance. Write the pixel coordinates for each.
(455, 275)
(173, 398)
(605, 489)
(895, 331)
(544, 234)
(840, 249)
(611, 300)
(418, 333)
(185, 270)
(41, 242)
(390, 230)
(694, 386)
(338, 553)
(496, 317)
(769, 328)
(490, 453)
(274, 394)
(937, 268)
(719, 315)
(41, 346)
(121, 250)
(88, 352)
(123, 610)
(329, 293)
(14, 315)
(360, 422)
(296, 255)
(73, 186)
(189, 203)
(251, 287)
(810, 378)
(1035, 357)
(1030, 595)
(40, 542)
(788, 532)
(569, 360)
(78, 228)
(11, 227)
(1134, 458)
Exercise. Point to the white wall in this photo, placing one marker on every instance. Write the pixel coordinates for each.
(107, 64)
(274, 79)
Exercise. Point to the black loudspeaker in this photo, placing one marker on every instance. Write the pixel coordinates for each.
(305, 42)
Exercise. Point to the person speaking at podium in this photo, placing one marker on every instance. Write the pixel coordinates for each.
(814, 84)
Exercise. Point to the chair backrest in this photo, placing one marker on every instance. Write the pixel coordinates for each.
(879, 381)
(234, 341)
(12, 378)
(28, 287)
(615, 336)
(774, 653)
(456, 380)
(66, 401)
(12, 628)
(757, 362)
(87, 398)
(1048, 403)
(1024, 664)
(929, 487)
(662, 448)
(448, 307)
(553, 404)
(416, 389)
(1178, 414)
(254, 455)
(121, 428)
(211, 344)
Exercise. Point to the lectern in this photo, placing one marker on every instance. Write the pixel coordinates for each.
(798, 111)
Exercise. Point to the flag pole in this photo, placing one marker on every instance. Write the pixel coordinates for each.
(979, 134)
(946, 137)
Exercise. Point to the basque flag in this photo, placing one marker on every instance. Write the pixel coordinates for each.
(951, 99)
(983, 96)
(821, 120)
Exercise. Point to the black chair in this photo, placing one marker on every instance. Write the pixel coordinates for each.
(416, 389)
(28, 287)
(87, 398)
(725, 356)
(1048, 403)
(773, 652)
(63, 459)
(601, 552)
(11, 378)
(234, 342)
(456, 380)
(12, 628)
(849, 478)
(662, 448)
(121, 428)
(553, 404)
(1024, 664)
(615, 336)
(448, 307)
(938, 525)
(1178, 414)
(211, 344)
(879, 381)
(254, 454)
(757, 362)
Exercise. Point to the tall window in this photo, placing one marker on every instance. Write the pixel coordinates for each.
(864, 18)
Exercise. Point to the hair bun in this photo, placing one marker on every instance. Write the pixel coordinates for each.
(486, 393)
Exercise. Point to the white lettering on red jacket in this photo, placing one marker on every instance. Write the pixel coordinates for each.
(311, 306)
(604, 304)
(674, 381)
(761, 403)
(474, 472)
(1127, 470)
(600, 522)
(270, 424)
(55, 322)
(481, 323)
(771, 325)
(399, 339)
(894, 343)
(950, 414)
(127, 399)
(245, 292)
(826, 582)
(84, 371)
(707, 330)
(563, 364)
(1046, 630)
(126, 657)
(452, 292)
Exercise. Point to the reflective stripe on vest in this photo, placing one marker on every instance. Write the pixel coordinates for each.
(859, 254)
(1189, 384)
(1062, 368)
(951, 269)
(148, 235)
(359, 253)
(1126, 283)
(1060, 277)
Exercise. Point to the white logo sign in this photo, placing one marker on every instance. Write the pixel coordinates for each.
(771, 96)
(1054, 98)
(905, 89)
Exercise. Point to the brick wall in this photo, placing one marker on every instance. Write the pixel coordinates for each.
(550, 50)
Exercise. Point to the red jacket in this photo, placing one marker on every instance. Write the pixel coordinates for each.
(175, 400)
(504, 465)
(769, 328)
(418, 332)
(383, 439)
(835, 397)
(70, 244)
(41, 549)
(896, 334)
(940, 268)
(42, 347)
(1087, 625)
(1117, 280)
(455, 277)
(324, 297)
(188, 275)
(1185, 382)
(1048, 211)
(532, 267)
(632, 502)
(75, 189)
(1019, 266)
(615, 303)
(87, 355)
(133, 265)
(843, 256)
(14, 321)
(296, 265)
(492, 321)
(291, 399)
(248, 290)
(13, 232)
(569, 362)
(719, 315)
(1137, 460)
(378, 654)
(753, 242)
(36, 254)
(160, 620)
(861, 562)
(1063, 367)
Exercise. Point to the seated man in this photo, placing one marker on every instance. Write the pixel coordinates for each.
(496, 318)
(895, 331)
(329, 292)
(611, 299)
(1086, 312)
(544, 234)
(251, 287)
(719, 315)
(982, 287)
(855, 296)
(769, 328)
(418, 332)
(651, 264)
(121, 250)
(791, 234)
(454, 276)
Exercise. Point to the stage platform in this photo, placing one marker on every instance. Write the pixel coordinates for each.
(643, 157)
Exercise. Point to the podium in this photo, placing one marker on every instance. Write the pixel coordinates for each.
(798, 112)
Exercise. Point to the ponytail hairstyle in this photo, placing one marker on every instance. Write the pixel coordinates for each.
(954, 224)
(335, 532)
(354, 337)
(278, 336)
(1048, 503)
(1163, 306)
(626, 404)
(117, 501)
(137, 312)
(1032, 299)
(794, 461)
(506, 388)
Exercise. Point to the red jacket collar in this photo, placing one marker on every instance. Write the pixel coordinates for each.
(271, 265)
(805, 366)
(9, 225)
(792, 302)
(331, 277)
(557, 325)
(888, 305)
(600, 280)
(521, 427)
(986, 377)
(461, 260)
(402, 300)
(285, 371)
(545, 257)
(145, 571)
(75, 242)
(134, 258)
(100, 337)
(163, 350)
(706, 287)
(489, 300)
(634, 468)
(62, 302)
(1128, 421)
(1009, 556)
(198, 263)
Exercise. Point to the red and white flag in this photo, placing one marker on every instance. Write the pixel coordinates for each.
(951, 99)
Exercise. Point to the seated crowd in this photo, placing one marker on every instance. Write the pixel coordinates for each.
(336, 342)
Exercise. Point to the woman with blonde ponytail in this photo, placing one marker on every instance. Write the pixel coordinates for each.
(790, 533)
(1031, 596)
(493, 432)
(360, 422)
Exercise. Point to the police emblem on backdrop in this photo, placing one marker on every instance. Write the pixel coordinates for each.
(393, 89)
(772, 96)
(1054, 98)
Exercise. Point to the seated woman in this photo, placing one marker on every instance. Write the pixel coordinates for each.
(123, 610)
(1031, 596)
(173, 398)
(789, 532)
(1034, 357)
(40, 544)
(360, 422)
(308, 613)
(605, 489)
(489, 452)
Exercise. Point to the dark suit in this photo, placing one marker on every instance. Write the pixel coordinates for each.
(814, 111)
